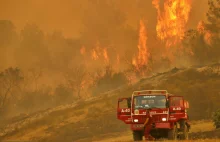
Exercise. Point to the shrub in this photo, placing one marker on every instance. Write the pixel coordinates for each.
(109, 81)
(216, 118)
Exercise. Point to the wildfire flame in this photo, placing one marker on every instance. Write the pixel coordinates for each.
(94, 54)
(100, 53)
(143, 53)
(208, 37)
(105, 54)
(201, 27)
(171, 22)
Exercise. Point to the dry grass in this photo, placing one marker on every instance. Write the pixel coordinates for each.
(202, 126)
(95, 119)
(199, 128)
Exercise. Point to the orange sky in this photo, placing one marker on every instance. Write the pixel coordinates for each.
(66, 15)
(49, 15)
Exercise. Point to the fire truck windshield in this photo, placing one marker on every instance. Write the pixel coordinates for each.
(149, 101)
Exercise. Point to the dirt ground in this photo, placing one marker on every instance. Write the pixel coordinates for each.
(201, 131)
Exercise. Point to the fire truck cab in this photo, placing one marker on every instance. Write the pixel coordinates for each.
(155, 114)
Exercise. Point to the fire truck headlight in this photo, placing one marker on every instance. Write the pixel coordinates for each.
(135, 120)
(136, 111)
(164, 119)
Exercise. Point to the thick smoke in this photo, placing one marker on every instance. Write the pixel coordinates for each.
(50, 40)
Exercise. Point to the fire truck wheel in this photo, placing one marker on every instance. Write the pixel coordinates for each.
(172, 133)
(137, 135)
(184, 130)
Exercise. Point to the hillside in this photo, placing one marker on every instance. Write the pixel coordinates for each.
(95, 118)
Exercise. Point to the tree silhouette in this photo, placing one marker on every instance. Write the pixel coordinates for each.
(9, 79)
(213, 16)
(75, 78)
(196, 47)
(213, 25)
(196, 40)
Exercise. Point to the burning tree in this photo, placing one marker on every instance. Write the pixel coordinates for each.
(172, 20)
(213, 17)
(203, 42)
(141, 61)
(9, 80)
(213, 27)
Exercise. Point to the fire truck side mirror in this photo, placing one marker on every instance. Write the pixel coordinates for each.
(186, 104)
(120, 100)
(129, 102)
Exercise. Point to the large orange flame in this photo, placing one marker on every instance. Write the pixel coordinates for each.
(105, 54)
(94, 54)
(171, 22)
(143, 53)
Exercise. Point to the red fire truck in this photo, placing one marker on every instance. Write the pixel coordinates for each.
(155, 114)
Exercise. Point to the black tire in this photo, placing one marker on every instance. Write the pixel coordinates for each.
(137, 135)
(173, 133)
(184, 130)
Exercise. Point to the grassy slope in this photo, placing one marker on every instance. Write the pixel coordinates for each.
(92, 119)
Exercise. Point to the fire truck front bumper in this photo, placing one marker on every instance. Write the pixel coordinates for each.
(137, 126)
(161, 125)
